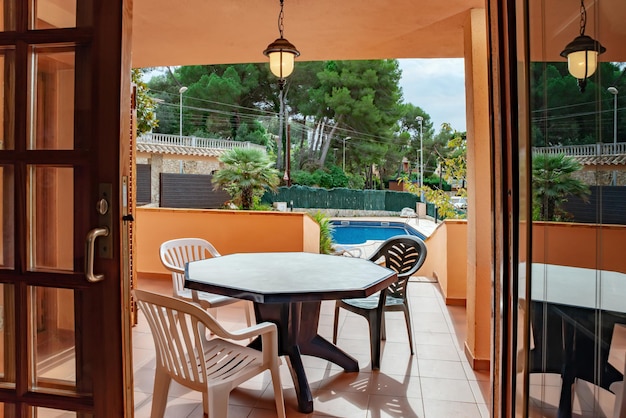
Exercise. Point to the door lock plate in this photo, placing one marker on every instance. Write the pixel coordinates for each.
(105, 219)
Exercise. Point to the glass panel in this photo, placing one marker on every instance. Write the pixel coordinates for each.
(7, 232)
(7, 15)
(51, 105)
(7, 336)
(51, 227)
(578, 275)
(52, 337)
(7, 98)
(55, 413)
(50, 14)
(7, 410)
(521, 205)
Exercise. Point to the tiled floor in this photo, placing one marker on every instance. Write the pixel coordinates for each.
(436, 382)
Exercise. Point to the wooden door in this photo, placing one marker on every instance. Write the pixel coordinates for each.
(65, 95)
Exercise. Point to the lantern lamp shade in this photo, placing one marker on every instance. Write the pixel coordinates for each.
(582, 64)
(582, 56)
(282, 54)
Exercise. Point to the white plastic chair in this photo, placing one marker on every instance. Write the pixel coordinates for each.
(175, 254)
(348, 251)
(214, 367)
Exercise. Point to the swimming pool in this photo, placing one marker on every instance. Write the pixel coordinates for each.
(359, 232)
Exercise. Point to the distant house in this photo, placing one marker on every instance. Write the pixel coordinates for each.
(175, 171)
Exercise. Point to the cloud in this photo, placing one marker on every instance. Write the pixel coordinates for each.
(438, 87)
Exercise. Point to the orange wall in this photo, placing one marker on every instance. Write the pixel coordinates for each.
(228, 231)
(571, 244)
(447, 259)
(479, 263)
(436, 264)
(579, 245)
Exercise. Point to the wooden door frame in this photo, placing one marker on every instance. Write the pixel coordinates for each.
(112, 335)
(508, 43)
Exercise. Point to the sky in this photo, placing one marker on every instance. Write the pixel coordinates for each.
(438, 87)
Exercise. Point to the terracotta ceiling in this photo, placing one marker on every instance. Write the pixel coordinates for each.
(555, 23)
(186, 32)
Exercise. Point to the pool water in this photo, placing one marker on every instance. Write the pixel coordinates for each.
(359, 232)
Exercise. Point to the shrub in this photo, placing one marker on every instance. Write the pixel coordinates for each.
(326, 233)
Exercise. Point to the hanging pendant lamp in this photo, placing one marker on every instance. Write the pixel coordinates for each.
(582, 53)
(281, 52)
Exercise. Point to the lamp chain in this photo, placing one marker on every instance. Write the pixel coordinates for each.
(583, 17)
(281, 16)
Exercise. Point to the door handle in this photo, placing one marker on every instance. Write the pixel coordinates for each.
(90, 253)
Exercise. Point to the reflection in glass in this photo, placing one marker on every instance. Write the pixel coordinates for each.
(7, 336)
(7, 409)
(7, 247)
(52, 339)
(55, 413)
(49, 14)
(51, 105)
(577, 275)
(7, 15)
(7, 98)
(51, 227)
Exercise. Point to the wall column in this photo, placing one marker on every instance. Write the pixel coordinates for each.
(479, 185)
(156, 168)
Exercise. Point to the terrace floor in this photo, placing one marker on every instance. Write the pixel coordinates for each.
(435, 382)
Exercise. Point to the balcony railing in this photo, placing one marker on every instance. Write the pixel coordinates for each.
(192, 141)
(589, 150)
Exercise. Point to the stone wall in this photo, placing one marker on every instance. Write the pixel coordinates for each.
(594, 177)
(160, 163)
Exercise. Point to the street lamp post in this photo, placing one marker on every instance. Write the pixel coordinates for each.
(420, 120)
(614, 91)
(180, 122)
(344, 152)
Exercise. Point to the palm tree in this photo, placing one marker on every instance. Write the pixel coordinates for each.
(552, 183)
(246, 174)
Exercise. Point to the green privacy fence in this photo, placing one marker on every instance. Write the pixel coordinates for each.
(341, 198)
(431, 210)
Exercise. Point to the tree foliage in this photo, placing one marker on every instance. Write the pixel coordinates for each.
(325, 102)
(146, 105)
(562, 115)
(455, 165)
(326, 232)
(365, 97)
(213, 100)
(553, 183)
(454, 170)
(328, 178)
(247, 172)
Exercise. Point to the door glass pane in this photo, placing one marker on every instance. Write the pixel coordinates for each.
(7, 96)
(7, 15)
(52, 338)
(7, 335)
(55, 413)
(7, 225)
(7, 410)
(578, 274)
(48, 14)
(51, 105)
(51, 220)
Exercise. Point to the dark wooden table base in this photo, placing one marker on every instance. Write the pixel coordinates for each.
(297, 335)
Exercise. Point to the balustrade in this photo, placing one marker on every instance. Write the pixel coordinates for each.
(584, 150)
(192, 141)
